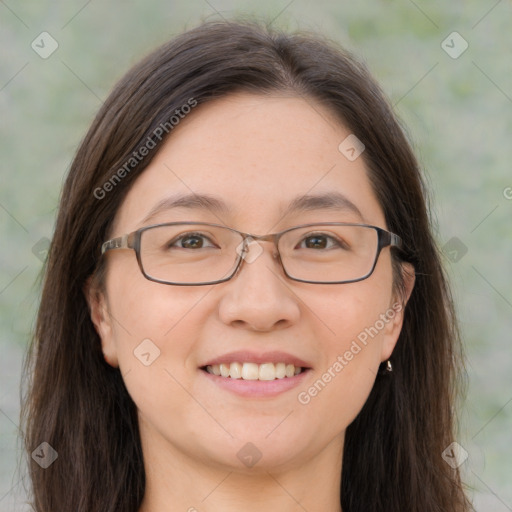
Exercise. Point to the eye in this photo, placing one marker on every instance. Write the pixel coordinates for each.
(322, 241)
(190, 241)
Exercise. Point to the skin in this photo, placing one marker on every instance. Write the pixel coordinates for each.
(257, 153)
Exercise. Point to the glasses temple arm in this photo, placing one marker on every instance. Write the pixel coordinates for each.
(395, 240)
(121, 242)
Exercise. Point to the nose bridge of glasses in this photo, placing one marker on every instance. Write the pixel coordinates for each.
(250, 248)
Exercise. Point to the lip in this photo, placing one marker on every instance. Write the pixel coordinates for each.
(256, 388)
(245, 356)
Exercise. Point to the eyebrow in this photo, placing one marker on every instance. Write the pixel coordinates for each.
(190, 201)
(328, 201)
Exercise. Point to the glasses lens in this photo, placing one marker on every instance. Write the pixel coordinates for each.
(191, 253)
(329, 253)
(198, 253)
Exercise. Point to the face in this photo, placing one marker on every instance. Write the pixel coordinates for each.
(256, 154)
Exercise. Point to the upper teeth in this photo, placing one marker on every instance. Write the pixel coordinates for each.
(253, 371)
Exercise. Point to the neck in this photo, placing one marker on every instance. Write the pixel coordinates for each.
(175, 481)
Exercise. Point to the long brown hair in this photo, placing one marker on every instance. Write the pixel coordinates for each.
(78, 404)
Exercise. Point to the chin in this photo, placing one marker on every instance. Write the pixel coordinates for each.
(253, 451)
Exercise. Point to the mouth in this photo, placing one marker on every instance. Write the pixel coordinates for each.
(254, 371)
(249, 374)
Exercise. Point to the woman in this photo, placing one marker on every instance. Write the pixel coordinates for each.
(243, 306)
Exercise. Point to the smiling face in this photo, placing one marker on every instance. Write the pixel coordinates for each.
(256, 155)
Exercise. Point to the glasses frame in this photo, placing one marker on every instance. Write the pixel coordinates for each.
(132, 241)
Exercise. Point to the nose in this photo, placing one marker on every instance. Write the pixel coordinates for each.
(259, 296)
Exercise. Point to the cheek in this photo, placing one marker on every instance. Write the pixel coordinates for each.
(351, 349)
(155, 331)
(350, 310)
(144, 309)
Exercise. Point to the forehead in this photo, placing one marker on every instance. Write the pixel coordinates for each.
(258, 156)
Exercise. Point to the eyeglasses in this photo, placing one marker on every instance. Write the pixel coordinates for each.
(200, 253)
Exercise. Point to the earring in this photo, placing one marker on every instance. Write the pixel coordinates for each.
(385, 370)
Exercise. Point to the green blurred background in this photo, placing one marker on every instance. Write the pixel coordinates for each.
(457, 110)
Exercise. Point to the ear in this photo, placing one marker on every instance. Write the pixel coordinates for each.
(100, 316)
(395, 313)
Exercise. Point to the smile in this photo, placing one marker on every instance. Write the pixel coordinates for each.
(254, 371)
